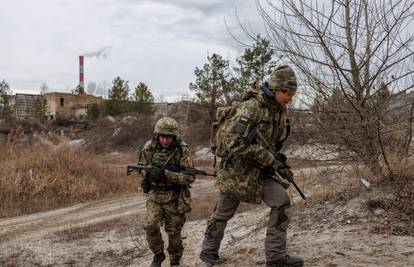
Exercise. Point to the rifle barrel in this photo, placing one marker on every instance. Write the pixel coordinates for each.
(178, 168)
(299, 191)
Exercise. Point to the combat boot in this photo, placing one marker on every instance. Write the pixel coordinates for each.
(157, 260)
(175, 263)
(286, 261)
(210, 258)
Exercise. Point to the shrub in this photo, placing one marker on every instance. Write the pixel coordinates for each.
(43, 177)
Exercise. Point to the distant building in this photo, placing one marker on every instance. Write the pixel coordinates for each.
(27, 106)
(67, 105)
(58, 105)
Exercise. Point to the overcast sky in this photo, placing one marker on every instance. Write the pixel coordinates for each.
(158, 42)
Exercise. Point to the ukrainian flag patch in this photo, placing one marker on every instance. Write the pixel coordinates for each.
(244, 120)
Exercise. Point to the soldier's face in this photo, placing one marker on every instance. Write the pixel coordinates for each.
(166, 140)
(284, 97)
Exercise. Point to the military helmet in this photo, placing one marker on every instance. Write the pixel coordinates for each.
(283, 78)
(167, 126)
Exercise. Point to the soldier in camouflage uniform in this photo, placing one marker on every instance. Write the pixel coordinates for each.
(168, 196)
(247, 168)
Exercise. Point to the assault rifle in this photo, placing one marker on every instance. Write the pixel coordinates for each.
(274, 152)
(173, 168)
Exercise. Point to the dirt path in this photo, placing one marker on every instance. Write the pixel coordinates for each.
(81, 215)
(324, 244)
(109, 233)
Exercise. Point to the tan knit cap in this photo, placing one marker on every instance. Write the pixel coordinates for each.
(283, 78)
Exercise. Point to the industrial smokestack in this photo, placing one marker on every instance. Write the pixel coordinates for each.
(81, 80)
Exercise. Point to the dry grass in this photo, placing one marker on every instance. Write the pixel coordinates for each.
(42, 177)
(385, 207)
(398, 205)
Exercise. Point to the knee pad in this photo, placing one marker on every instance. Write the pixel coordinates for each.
(279, 218)
(283, 218)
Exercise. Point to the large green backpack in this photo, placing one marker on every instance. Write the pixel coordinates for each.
(220, 128)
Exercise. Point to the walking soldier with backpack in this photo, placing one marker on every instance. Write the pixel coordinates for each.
(168, 195)
(248, 137)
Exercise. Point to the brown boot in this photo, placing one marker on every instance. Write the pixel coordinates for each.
(175, 263)
(210, 258)
(157, 260)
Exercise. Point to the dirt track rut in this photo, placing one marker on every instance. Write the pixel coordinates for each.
(36, 225)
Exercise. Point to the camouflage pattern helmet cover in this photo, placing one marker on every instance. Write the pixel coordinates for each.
(283, 78)
(167, 126)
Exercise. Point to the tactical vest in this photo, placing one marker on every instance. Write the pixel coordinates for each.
(164, 156)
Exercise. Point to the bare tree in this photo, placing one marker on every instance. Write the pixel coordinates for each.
(43, 107)
(92, 88)
(351, 50)
(44, 89)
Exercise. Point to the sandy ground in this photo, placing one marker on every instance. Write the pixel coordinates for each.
(109, 233)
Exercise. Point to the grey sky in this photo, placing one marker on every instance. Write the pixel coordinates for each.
(154, 41)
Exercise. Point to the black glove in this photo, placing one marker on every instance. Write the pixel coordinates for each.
(282, 157)
(286, 173)
(156, 174)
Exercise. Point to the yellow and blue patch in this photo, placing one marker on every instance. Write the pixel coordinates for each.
(244, 120)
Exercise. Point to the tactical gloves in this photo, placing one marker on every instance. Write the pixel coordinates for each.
(279, 165)
(282, 157)
(286, 173)
(156, 174)
(157, 171)
(276, 165)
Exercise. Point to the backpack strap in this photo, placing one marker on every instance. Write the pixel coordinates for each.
(279, 143)
(153, 147)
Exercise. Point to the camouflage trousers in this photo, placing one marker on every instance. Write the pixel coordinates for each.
(276, 197)
(167, 214)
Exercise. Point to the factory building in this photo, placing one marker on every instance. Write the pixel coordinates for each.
(57, 104)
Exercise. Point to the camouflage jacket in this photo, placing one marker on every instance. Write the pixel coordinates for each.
(153, 154)
(242, 167)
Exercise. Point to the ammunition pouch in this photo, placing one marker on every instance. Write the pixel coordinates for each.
(156, 175)
(164, 188)
(145, 185)
(184, 202)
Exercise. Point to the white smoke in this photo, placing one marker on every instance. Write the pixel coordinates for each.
(103, 52)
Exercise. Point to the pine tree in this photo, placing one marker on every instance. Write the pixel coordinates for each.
(254, 65)
(212, 84)
(6, 110)
(143, 98)
(118, 97)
